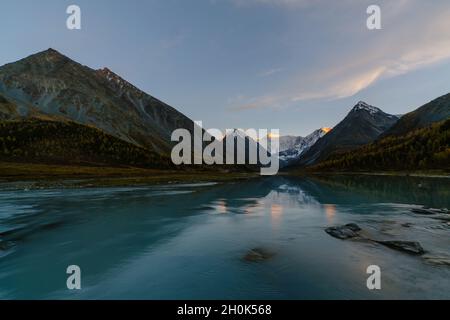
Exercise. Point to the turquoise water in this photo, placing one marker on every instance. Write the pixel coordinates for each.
(190, 241)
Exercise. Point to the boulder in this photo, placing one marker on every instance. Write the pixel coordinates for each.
(347, 231)
(407, 225)
(3, 245)
(410, 247)
(351, 230)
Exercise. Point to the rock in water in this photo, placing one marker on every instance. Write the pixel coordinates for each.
(347, 231)
(428, 211)
(258, 255)
(3, 245)
(407, 225)
(438, 260)
(351, 230)
(410, 247)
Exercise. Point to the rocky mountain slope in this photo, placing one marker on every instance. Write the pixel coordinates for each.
(364, 124)
(49, 83)
(420, 140)
(434, 111)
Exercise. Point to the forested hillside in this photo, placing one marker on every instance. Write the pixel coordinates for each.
(57, 142)
(423, 149)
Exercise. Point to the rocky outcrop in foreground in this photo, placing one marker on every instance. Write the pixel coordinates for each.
(347, 231)
(352, 231)
(410, 247)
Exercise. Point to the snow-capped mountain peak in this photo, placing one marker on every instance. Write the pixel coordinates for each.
(303, 145)
(361, 105)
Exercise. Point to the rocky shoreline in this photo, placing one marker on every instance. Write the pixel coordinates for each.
(352, 231)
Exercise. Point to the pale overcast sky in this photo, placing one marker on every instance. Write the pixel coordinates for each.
(296, 65)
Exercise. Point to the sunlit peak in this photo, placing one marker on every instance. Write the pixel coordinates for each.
(273, 136)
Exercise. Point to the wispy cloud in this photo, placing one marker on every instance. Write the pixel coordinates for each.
(270, 72)
(405, 44)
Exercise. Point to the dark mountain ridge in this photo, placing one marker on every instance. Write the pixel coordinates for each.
(363, 124)
(420, 140)
(434, 111)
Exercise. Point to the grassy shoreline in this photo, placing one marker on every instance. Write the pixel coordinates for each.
(39, 176)
(423, 174)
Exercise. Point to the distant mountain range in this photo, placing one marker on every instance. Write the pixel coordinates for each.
(55, 110)
(284, 142)
(298, 146)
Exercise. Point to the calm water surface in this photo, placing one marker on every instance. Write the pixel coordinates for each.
(189, 241)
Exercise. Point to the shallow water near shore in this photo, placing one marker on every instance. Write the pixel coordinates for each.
(193, 241)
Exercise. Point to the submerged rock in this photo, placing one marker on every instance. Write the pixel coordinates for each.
(407, 225)
(347, 231)
(410, 247)
(4, 245)
(258, 255)
(443, 218)
(438, 260)
(428, 211)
